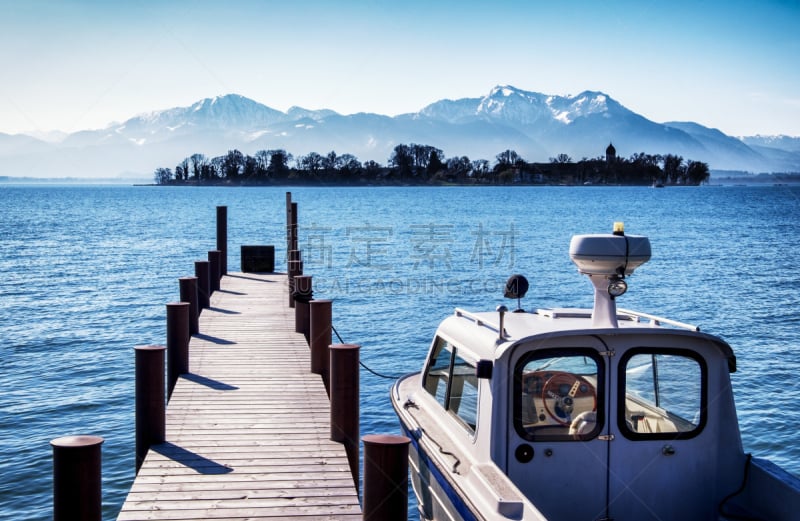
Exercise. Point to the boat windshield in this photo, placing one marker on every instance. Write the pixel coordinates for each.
(557, 395)
(663, 393)
(560, 394)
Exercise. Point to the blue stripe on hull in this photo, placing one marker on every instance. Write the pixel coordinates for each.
(459, 506)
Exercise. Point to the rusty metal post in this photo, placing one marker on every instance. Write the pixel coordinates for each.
(344, 401)
(222, 238)
(320, 338)
(188, 288)
(177, 342)
(150, 402)
(385, 477)
(203, 274)
(295, 269)
(303, 293)
(213, 270)
(77, 471)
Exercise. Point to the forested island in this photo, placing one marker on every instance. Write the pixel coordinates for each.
(414, 164)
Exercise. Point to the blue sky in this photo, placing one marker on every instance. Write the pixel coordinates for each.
(78, 64)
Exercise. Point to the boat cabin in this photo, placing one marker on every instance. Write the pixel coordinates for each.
(576, 414)
(610, 424)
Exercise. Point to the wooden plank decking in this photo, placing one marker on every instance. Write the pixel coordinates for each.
(248, 428)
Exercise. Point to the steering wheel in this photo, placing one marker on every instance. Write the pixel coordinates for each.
(563, 391)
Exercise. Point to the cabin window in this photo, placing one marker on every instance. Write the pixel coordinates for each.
(663, 394)
(559, 395)
(438, 373)
(464, 392)
(450, 378)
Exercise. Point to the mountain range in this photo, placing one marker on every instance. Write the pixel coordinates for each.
(536, 126)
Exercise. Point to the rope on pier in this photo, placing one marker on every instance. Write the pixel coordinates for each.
(362, 363)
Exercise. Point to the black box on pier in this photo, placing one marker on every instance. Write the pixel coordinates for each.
(258, 259)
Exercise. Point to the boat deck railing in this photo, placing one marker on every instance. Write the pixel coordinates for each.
(624, 314)
(479, 321)
(656, 320)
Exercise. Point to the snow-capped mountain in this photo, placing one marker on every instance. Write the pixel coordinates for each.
(231, 114)
(788, 143)
(521, 108)
(579, 125)
(537, 126)
(222, 112)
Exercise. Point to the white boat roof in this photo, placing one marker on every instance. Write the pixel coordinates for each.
(606, 259)
(480, 333)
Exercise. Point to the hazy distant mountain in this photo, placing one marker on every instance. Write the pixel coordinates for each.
(537, 126)
(19, 143)
(788, 143)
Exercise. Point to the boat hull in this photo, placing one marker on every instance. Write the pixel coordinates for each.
(437, 497)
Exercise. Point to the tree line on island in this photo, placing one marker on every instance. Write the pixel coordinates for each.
(414, 164)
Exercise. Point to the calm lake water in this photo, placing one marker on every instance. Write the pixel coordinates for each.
(87, 270)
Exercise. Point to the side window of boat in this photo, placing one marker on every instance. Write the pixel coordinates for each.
(464, 392)
(558, 395)
(438, 373)
(451, 379)
(662, 392)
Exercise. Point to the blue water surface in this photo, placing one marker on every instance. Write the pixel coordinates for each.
(86, 271)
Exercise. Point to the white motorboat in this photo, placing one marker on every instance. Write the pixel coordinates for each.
(583, 414)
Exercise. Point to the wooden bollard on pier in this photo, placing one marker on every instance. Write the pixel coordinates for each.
(77, 470)
(214, 257)
(289, 244)
(222, 238)
(288, 214)
(188, 292)
(202, 272)
(150, 400)
(292, 238)
(295, 270)
(344, 377)
(303, 293)
(385, 477)
(177, 342)
(295, 255)
(321, 312)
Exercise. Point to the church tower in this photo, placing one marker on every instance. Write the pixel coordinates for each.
(611, 154)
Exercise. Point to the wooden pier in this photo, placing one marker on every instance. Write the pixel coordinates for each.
(248, 427)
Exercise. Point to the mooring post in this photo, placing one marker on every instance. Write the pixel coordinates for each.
(77, 471)
(213, 270)
(222, 238)
(203, 274)
(295, 255)
(188, 290)
(321, 312)
(303, 293)
(288, 226)
(150, 402)
(385, 477)
(344, 401)
(177, 342)
(293, 228)
(295, 269)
